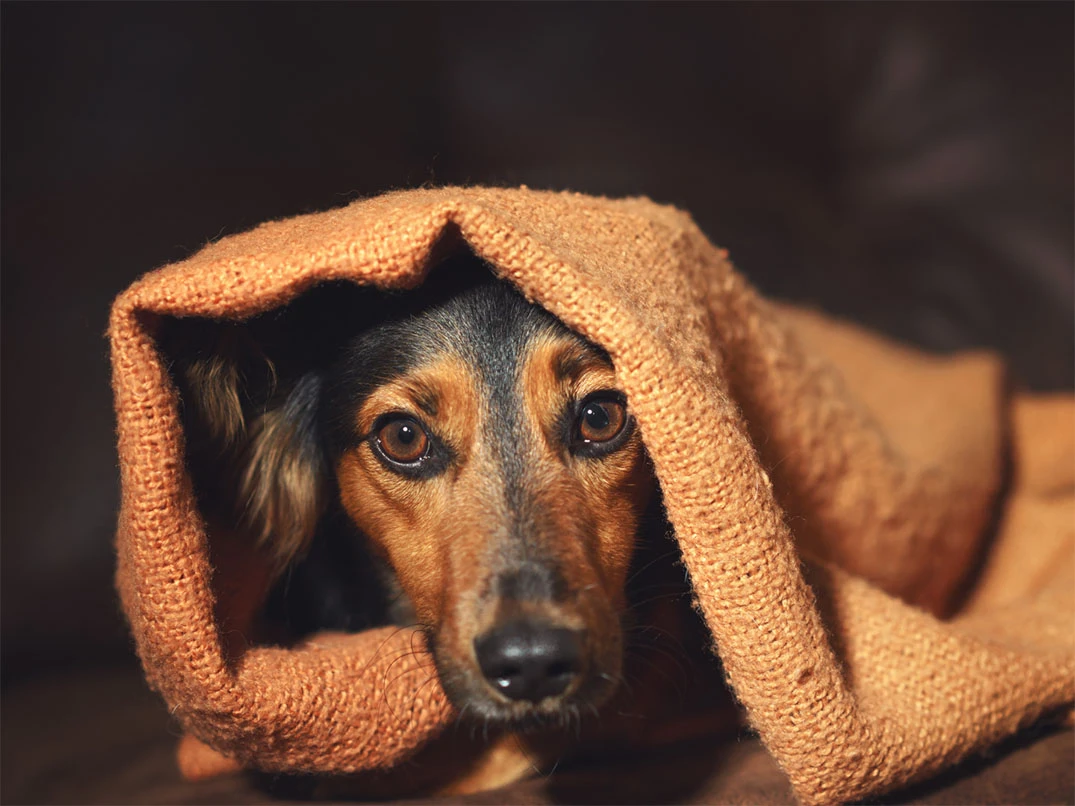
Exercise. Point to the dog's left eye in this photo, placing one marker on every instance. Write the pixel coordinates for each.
(601, 420)
(600, 425)
(402, 440)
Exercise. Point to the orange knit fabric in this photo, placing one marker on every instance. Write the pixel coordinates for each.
(782, 441)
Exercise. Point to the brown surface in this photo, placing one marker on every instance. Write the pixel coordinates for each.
(887, 462)
(104, 738)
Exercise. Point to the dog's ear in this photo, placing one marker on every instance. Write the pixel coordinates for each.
(253, 446)
(284, 475)
(222, 373)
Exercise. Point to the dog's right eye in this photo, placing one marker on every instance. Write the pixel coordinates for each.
(402, 440)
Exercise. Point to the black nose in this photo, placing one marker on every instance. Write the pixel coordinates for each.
(527, 661)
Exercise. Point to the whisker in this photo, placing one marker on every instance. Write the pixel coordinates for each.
(460, 717)
(671, 553)
(523, 751)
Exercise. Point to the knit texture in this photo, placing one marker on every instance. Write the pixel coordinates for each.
(783, 442)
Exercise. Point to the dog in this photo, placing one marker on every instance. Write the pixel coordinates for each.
(457, 459)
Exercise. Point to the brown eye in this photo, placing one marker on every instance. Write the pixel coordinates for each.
(601, 420)
(403, 440)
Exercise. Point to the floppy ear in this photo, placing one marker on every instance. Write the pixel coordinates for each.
(253, 448)
(221, 370)
(284, 475)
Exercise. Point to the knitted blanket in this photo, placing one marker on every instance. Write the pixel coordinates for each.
(883, 605)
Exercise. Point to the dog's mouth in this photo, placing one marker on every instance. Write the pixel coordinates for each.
(528, 674)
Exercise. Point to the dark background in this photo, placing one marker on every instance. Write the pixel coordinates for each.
(909, 166)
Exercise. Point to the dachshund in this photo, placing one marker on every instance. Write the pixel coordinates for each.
(453, 458)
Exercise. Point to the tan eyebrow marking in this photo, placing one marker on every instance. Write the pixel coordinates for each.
(557, 370)
(574, 358)
(444, 390)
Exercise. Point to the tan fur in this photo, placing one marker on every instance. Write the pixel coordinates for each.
(409, 521)
(280, 491)
(217, 380)
(279, 494)
(616, 487)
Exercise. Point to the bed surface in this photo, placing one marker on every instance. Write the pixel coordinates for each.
(101, 736)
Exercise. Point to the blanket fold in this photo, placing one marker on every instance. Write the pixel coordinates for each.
(936, 615)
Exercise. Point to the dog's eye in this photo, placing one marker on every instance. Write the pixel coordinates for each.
(600, 421)
(402, 440)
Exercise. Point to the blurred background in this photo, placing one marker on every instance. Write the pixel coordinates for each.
(905, 165)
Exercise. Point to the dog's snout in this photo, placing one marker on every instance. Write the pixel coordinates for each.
(531, 582)
(524, 660)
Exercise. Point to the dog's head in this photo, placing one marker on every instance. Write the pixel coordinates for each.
(488, 456)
